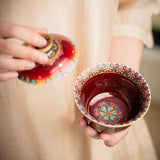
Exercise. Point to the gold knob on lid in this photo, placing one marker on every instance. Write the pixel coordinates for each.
(49, 43)
(53, 48)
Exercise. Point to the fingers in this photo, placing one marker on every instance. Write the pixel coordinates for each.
(26, 57)
(91, 132)
(81, 122)
(111, 140)
(22, 33)
(23, 52)
(15, 64)
(87, 129)
(36, 30)
(8, 75)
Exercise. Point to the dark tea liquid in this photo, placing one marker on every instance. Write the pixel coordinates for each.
(111, 98)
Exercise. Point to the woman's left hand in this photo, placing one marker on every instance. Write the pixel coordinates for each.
(110, 140)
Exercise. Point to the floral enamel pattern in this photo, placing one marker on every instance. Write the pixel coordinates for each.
(108, 113)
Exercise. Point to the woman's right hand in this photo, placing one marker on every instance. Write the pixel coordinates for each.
(22, 57)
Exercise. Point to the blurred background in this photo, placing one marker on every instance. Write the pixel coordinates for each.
(150, 69)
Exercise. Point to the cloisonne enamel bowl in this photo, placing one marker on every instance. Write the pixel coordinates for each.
(111, 96)
(63, 55)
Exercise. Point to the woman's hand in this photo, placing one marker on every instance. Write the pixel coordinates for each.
(127, 51)
(109, 139)
(23, 58)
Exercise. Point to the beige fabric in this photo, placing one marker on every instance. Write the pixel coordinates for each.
(39, 122)
(134, 19)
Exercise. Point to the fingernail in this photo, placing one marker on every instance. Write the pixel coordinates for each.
(13, 75)
(81, 124)
(44, 30)
(42, 41)
(43, 58)
(103, 137)
(89, 133)
(31, 65)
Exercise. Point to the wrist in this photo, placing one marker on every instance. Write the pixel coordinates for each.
(126, 51)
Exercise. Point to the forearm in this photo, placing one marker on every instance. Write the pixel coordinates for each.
(126, 51)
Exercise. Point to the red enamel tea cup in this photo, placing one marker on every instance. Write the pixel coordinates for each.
(111, 96)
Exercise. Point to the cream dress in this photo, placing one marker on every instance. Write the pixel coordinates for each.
(39, 122)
